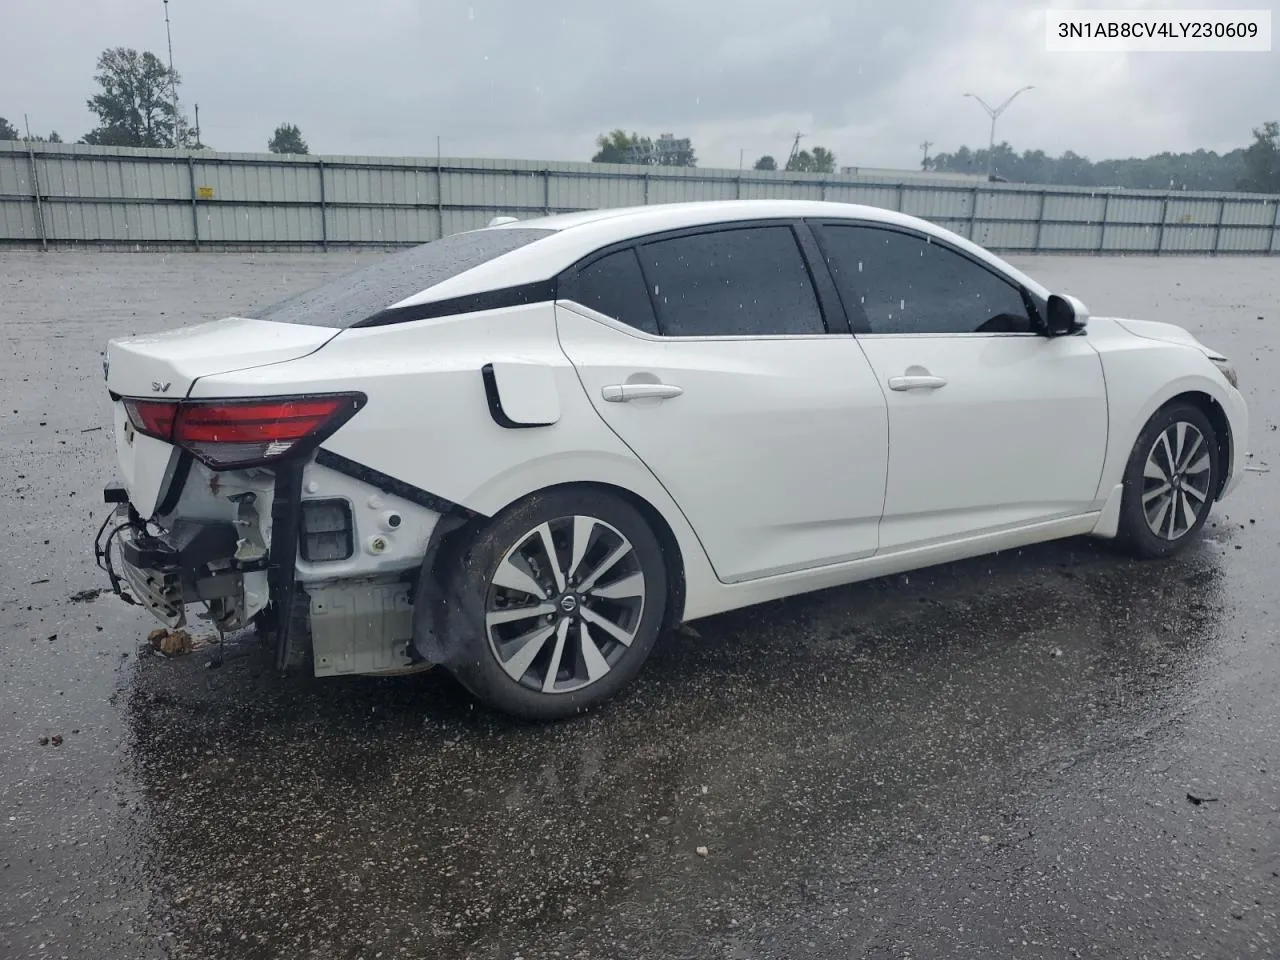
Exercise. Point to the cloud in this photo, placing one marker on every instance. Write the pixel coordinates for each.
(511, 78)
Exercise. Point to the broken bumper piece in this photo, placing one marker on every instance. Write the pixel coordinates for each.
(163, 570)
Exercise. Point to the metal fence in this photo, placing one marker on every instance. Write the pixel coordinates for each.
(73, 194)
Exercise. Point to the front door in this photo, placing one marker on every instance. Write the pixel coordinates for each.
(991, 426)
(769, 432)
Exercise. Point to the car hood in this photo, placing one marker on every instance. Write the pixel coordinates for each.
(1164, 332)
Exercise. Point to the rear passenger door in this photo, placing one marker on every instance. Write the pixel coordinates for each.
(708, 353)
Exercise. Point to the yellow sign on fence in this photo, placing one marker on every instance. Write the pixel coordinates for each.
(204, 193)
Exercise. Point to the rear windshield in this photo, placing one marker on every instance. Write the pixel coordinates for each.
(352, 297)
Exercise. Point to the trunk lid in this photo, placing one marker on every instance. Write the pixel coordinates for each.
(164, 366)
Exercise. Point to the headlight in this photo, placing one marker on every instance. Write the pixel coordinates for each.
(1228, 371)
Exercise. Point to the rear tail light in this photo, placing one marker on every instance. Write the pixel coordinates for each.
(227, 434)
(152, 417)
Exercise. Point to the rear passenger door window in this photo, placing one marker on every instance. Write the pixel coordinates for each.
(903, 283)
(614, 286)
(738, 282)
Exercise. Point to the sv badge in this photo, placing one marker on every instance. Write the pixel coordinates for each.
(158, 387)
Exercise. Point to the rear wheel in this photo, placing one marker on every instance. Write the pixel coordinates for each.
(557, 602)
(1170, 482)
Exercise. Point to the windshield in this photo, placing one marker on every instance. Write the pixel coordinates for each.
(351, 297)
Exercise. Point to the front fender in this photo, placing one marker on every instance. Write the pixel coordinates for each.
(1139, 384)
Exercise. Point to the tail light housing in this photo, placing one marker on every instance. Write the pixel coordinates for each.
(233, 434)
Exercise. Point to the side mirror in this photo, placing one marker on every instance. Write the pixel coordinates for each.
(1067, 315)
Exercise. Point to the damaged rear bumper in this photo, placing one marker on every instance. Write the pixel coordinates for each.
(223, 564)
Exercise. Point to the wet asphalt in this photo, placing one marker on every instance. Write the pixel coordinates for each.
(991, 758)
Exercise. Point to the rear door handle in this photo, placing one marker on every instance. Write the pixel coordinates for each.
(916, 382)
(622, 392)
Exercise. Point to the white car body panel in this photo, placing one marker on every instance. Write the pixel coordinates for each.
(180, 357)
(528, 391)
(146, 464)
(1017, 435)
(793, 427)
(433, 428)
(786, 465)
(1143, 374)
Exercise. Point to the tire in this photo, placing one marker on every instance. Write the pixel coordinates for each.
(1154, 524)
(599, 610)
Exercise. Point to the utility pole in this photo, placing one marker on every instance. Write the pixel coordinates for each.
(994, 113)
(178, 136)
(198, 125)
(924, 163)
(795, 149)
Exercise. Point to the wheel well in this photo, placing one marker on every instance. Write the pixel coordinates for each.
(1221, 427)
(449, 545)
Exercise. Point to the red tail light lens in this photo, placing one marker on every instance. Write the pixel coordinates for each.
(227, 434)
(152, 417)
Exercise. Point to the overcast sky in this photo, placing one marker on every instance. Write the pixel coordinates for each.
(540, 79)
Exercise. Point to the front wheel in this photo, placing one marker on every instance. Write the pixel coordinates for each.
(1170, 482)
(557, 603)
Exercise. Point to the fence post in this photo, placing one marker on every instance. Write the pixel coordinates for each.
(1102, 234)
(324, 217)
(439, 191)
(823, 194)
(195, 214)
(1035, 246)
(646, 188)
(1275, 229)
(1217, 227)
(902, 188)
(1164, 215)
(35, 192)
(546, 191)
(738, 189)
(973, 215)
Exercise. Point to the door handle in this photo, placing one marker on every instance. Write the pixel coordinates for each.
(622, 392)
(916, 382)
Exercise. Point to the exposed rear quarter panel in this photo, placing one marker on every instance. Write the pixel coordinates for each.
(427, 421)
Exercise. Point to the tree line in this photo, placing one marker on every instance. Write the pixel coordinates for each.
(618, 146)
(137, 106)
(1255, 169)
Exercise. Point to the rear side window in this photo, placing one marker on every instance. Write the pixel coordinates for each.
(749, 281)
(614, 286)
(905, 284)
(352, 297)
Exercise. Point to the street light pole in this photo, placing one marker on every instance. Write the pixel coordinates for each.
(994, 113)
(179, 135)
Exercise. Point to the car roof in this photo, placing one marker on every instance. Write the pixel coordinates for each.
(639, 220)
(573, 236)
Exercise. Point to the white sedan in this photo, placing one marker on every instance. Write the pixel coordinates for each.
(527, 452)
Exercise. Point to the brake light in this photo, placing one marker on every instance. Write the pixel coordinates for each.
(227, 434)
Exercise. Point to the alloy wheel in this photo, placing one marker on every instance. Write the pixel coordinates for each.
(564, 604)
(1176, 478)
